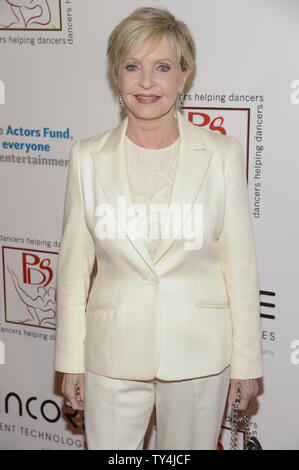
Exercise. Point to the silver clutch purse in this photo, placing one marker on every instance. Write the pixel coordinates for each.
(251, 443)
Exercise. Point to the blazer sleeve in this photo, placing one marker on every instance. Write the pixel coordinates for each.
(75, 263)
(237, 251)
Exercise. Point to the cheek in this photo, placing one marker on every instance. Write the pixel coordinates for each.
(171, 86)
(122, 81)
(170, 83)
(127, 81)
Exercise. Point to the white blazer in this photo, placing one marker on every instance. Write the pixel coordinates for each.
(184, 314)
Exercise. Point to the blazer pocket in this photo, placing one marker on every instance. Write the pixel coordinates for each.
(214, 332)
(97, 338)
(211, 303)
(100, 306)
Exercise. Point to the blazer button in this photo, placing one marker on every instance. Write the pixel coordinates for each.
(152, 280)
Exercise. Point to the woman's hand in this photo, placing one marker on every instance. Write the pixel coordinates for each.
(73, 390)
(248, 389)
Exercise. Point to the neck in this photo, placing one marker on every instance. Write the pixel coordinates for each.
(153, 133)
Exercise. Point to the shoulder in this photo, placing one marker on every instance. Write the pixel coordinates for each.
(226, 149)
(89, 144)
(220, 142)
(199, 137)
(105, 142)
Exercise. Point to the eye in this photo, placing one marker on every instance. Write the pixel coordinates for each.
(131, 67)
(164, 68)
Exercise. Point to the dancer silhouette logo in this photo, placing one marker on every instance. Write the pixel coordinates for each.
(30, 15)
(29, 287)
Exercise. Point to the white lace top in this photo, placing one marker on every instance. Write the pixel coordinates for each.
(151, 174)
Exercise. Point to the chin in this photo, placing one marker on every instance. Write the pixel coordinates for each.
(149, 114)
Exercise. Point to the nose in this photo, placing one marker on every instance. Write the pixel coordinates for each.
(146, 79)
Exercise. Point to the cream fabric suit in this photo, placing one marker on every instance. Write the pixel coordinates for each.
(184, 314)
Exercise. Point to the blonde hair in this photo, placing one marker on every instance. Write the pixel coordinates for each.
(147, 23)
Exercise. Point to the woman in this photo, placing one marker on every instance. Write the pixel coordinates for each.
(164, 322)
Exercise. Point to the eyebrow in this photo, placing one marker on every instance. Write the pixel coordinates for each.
(156, 61)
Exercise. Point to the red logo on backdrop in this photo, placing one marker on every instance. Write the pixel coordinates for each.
(33, 263)
(215, 124)
(226, 121)
(29, 287)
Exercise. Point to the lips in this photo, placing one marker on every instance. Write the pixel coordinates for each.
(147, 99)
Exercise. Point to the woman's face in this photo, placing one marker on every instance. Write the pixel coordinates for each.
(150, 80)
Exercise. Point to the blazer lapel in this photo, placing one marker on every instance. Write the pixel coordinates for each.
(193, 164)
(111, 172)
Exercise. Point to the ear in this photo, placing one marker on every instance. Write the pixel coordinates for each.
(118, 84)
(117, 78)
(185, 76)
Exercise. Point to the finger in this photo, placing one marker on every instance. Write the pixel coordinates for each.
(233, 392)
(79, 405)
(80, 394)
(81, 391)
(70, 389)
(232, 397)
(243, 405)
(255, 390)
(63, 385)
(75, 403)
(249, 387)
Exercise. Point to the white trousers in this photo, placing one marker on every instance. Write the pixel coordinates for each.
(189, 412)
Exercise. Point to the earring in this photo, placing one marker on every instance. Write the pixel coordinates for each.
(121, 100)
(181, 100)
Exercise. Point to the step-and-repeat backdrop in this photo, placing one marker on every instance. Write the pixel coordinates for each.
(54, 90)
